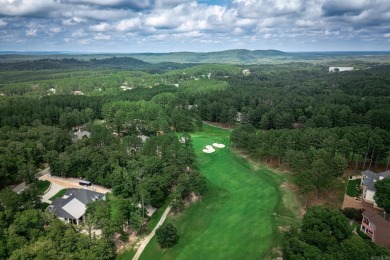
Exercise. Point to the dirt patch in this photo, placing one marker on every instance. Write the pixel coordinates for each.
(220, 125)
(289, 186)
(351, 202)
(284, 229)
(121, 245)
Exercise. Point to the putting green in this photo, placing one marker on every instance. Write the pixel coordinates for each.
(235, 219)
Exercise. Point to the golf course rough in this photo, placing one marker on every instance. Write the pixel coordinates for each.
(236, 218)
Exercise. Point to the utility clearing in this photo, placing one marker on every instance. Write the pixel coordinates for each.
(241, 215)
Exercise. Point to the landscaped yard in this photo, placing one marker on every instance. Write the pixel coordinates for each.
(43, 186)
(353, 188)
(58, 194)
(238, 217)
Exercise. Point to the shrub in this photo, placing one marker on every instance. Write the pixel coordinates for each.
(167, 235)
(351, 213)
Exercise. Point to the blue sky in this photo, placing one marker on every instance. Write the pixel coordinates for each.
(173, 25)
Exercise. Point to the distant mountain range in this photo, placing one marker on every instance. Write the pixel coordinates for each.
(236, 56)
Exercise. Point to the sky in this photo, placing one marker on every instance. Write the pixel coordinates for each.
(130, 26)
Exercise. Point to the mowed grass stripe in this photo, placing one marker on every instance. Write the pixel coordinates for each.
(235, 219)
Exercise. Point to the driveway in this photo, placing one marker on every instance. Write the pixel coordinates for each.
(53, 189)
(72, 183)
(58, 183)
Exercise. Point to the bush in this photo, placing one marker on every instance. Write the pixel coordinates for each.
(167, 235)
(363, 235)
(354, 214)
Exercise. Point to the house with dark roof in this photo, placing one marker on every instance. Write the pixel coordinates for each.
(72, 206)
(376, 228)
(368, 184)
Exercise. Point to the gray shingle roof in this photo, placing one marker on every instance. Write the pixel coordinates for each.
(73, 204)
(369, 178)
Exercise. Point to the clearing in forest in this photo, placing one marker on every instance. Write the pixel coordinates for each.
(240, 215)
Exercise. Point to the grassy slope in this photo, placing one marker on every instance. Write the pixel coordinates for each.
(58, 194)
(236, 218)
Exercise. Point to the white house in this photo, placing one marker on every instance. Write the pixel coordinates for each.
(340, 69)
(72, 206)
(368, 183)
(246, 72)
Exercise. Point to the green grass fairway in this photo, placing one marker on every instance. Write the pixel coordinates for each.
(236, 218)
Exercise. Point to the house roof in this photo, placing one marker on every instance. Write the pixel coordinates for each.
(80, 134)
(75, 208)
(372, 177)
(382, 230)
(73, 204)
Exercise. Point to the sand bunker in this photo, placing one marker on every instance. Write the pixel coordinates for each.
(218, 145)
(209, 149)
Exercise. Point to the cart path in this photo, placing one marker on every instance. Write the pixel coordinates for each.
(146, 240)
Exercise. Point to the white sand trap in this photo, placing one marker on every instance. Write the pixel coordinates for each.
(209, 149)
(218, 145)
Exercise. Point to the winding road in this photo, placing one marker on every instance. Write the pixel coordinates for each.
(146, 240)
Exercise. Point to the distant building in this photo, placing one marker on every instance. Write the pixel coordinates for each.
(368, 183)
(80, 134)
(72, 206)
(78, 92)
(246, 72)
(340, 69)
(376, 228)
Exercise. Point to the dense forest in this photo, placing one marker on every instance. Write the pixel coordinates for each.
(299, 115)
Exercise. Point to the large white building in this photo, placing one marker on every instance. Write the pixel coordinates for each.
(339, 69)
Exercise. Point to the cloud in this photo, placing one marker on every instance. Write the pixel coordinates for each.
(136, 5)
(190, 22)
(101, 27)
(26, 7)
(78, 34)
(3, 23)
(128, 24)
(55, 29)
(339, 8)
(101, 36)
(31, 32)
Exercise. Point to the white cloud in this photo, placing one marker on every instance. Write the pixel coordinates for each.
(128, 24)
(79, 33)
(55, 29)
(3, 23)
(189, 21)
(101, 27)
(101, 36)
(31, 32)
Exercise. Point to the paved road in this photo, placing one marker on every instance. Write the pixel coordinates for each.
(146, 240)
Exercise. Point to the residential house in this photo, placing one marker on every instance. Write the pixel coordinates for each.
(78, 135)
(376, 228)
(246, 72)
(72, 206)
(340, 69)
(368, 184)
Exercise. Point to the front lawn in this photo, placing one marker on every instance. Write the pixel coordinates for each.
(59, 194)
(353, 188)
